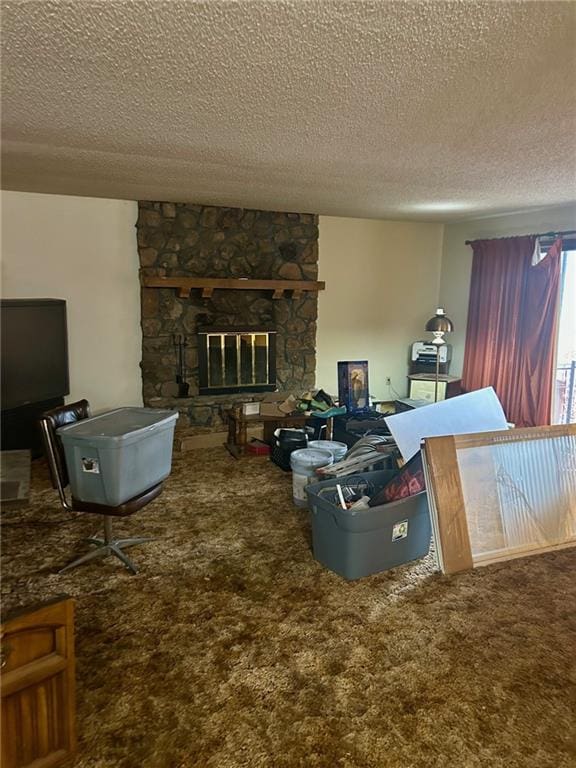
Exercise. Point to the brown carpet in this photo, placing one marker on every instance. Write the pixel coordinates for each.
(232, 647)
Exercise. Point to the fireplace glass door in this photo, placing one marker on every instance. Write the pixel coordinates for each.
(236, 361)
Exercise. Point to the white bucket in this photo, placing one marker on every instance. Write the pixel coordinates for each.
(304, 463)
(338, 450)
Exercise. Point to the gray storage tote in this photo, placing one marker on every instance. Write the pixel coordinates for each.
(358, 542)
(115, 456)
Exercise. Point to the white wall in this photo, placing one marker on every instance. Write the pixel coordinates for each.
(382, 281)
(457, 260)
(82, 250)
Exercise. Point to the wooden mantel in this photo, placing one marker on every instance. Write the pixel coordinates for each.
(208, 284)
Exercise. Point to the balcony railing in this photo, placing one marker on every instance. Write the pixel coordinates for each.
(565, 394)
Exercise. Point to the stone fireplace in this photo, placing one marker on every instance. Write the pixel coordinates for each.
(233, 344)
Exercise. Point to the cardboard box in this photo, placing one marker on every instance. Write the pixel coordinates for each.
(250, 409)
(278, 404)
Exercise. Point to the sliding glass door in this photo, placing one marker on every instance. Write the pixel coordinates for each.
(564, 402)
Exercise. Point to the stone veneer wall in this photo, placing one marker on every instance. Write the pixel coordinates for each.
(181, 239)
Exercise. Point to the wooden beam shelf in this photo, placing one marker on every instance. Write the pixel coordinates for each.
(208, 284)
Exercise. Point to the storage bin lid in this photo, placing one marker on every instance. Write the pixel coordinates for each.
(335, 447)
(287, 436)
(118, 425)
(310, 458)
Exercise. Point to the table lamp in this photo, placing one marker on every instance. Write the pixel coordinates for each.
(439, 325)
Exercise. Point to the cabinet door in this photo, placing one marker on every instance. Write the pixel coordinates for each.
(37, 687)
(421, 389)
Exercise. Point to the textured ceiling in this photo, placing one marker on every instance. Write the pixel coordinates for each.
(421, 110)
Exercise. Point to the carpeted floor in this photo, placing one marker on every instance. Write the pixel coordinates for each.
(233, 648)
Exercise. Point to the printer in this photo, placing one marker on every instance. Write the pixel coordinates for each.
(423, 357)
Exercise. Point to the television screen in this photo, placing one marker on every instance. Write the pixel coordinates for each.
(34, 351)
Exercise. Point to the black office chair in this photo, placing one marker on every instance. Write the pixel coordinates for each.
(50, 421)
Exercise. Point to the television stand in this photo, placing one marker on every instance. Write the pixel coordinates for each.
(20, 426)
(14, 478)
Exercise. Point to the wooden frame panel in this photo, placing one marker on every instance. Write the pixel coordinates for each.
(450, 516)
(522, 434)
(446, 503)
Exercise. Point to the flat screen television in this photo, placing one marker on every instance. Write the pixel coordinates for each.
(34, 351)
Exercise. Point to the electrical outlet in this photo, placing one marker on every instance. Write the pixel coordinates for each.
(388, 381)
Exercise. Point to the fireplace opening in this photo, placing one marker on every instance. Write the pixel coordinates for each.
(234, 360)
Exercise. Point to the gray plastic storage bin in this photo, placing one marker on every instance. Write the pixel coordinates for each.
(115, 456)
(358, 542)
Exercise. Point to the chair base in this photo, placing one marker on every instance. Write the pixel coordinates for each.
(108, 546)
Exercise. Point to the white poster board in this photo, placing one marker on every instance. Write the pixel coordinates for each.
(478, 411)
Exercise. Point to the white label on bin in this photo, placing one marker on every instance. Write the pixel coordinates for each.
(91, 465)
(400, 530)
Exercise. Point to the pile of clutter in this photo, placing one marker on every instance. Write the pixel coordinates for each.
(370, 452)
(282, 404)
(319, 404)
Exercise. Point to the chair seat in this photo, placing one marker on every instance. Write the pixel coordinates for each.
(122, 510)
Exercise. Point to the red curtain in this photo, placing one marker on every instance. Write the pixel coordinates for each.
(512, 326)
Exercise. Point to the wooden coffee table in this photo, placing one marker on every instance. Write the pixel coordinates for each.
(238, 424)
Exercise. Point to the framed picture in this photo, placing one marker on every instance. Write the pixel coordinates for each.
(353, 385)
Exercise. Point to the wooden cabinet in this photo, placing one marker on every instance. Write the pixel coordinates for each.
(37, 686)
(422, 387)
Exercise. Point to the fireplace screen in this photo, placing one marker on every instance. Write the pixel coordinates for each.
(236, 361)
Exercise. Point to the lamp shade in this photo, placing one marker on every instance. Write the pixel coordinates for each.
(440, 323)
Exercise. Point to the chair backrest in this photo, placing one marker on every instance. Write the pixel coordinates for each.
(50, 421)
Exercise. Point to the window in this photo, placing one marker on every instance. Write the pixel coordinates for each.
(564, 403)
